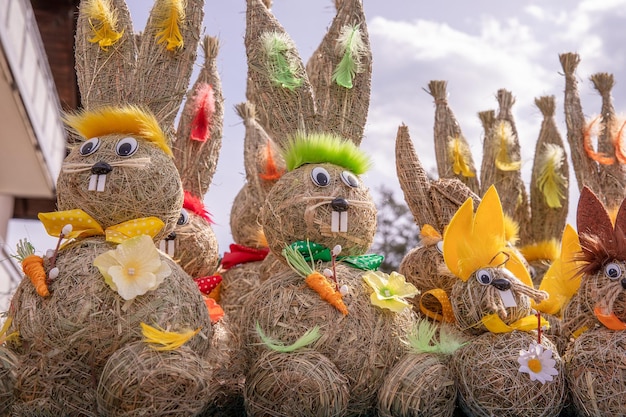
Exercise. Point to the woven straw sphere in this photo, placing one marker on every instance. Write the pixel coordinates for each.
(471, 301)
(196, 247)
(141, 185)
(490, 384)
(139, 380)
(303, 383)
(85, 321)
(419, 385)
(596, 372)
(297, 209)
(363, 345)
(8, 362)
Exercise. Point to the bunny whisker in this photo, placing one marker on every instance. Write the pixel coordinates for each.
(127, 163)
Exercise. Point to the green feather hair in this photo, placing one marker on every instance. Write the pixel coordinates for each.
(317, 148)
(306, 339)
(351, 45)
(283, 71)
(421, 339)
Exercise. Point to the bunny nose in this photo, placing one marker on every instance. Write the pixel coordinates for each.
(501, 284)
(623, 282)
(171, 236)
(339, 204)
(100, 168)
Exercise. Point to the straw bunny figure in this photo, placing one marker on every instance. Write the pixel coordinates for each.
(118, 327)
(594, 360)
(491, 299)
(327, 352)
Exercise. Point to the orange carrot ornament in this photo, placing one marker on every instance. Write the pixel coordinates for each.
(315, 280)
(32, 265)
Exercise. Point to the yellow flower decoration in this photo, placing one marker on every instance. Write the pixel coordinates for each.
(133, 268)
(390, 291)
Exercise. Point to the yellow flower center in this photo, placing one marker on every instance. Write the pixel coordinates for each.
(130, 271)
(534, 365)
(386, 292)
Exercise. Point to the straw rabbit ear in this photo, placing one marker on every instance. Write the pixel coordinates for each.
(104, 52)
(277, 81)
(549, 185)
(199, 135)
(454, 159)
(340, 72)
(592, 218)
(167, 52)
(263, 161)
(414, 181)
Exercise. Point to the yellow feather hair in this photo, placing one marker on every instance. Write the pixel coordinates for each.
(160, 339)
(511, 230)
(505, 138)
(550, 181)
(459, 154)
(103, 20)
(562, 280)
(545, 250)
(169, 15)
(108, 120)
(473, 241)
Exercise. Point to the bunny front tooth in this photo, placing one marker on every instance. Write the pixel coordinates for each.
(339, 222)
(97, 182)
(508, 300)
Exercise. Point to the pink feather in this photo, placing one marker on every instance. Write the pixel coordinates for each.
(204, 107)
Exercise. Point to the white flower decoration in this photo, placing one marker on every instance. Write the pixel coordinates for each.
(133, 268)
(538, 363)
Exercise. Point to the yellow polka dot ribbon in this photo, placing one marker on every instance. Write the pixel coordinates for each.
(494, 324)
(83, 225)
(441, 296)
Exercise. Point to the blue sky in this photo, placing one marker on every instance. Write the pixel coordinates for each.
(478, 47)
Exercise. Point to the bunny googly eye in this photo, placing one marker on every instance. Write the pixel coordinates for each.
(350, 179)
(126, 146)
(89, 147)
(440, 247)
(184, 218)
(484, 276)
(320, 177)
(613, 271)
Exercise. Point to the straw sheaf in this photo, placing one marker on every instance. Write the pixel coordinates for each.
(611, 177)
(471, 301)
(333, 101)
(596, 373)
(305, 383)
(547, 222)
(279, 110)
(99, 80)
(196, 247)
(585, 168)
(446, 128)
(84, 315)
(447, 195)
(297, 209)
(196, 160)
(8, 363)
(420, 385)
(244, 217)
(363, 345)
(489, 383)
(139, 380)
(131, 192)
(509, 184)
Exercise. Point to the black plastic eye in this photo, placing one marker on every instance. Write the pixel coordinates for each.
(89, 147)
(320, 176)
(350, 179)
(484, 276)
(612, 271)
(184, 218)
(126, 146)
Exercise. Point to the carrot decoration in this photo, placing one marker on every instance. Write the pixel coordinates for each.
(315, 280)
(32, 265)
